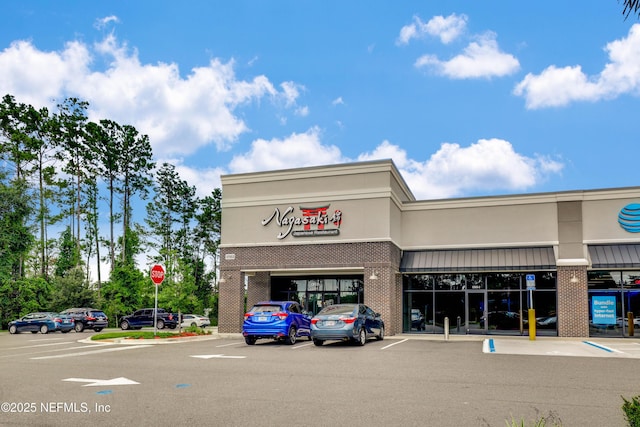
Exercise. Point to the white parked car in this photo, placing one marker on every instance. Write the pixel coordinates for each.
(195, 320)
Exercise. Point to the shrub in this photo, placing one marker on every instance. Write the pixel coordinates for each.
(551, 419)
(631, 410)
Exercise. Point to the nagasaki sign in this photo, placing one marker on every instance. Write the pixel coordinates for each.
(311, 222)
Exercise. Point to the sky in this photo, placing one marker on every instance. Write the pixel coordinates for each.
(468, 98)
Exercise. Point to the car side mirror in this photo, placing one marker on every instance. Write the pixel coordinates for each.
(378, 315)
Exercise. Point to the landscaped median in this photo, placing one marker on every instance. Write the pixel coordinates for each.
(159, 337)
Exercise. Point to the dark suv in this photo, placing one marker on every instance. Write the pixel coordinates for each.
(87, 318)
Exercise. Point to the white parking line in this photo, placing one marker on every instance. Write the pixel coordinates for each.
(5, 356)
(85, 353)
(301, 346)
(40, 345)
(228, 345)
(395, 343)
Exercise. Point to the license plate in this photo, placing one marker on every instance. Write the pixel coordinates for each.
(262, 318)
(330, 322)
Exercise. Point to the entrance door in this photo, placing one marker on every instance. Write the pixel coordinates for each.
(476, 312)
(319, 300)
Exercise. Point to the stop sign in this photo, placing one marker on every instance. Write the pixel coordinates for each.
(157, 274)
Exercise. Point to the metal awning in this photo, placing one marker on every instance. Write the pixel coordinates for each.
(478, 260)
(615, 256)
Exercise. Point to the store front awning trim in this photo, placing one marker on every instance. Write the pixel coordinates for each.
(615, 256)
(478, 260)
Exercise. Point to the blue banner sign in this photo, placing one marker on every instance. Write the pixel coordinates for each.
(603, 310)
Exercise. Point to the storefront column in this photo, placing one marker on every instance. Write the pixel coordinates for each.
(258, 288)
(230, 301)
(380, 295)
(573, 301)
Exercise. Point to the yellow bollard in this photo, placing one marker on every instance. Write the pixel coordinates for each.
(532, 324)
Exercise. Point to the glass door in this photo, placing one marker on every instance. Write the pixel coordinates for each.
(476, 312)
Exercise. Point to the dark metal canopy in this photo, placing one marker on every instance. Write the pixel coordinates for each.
(615, 256)
(478, 260)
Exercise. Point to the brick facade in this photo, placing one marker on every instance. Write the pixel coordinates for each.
(381, 258)
(573, 302)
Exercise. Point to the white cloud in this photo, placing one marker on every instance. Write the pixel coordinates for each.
(446, 29)
(337, 101)
(559, 86)
(204, 180)
(180, 114)
(302, 111)
(489, 164)
(481, 58)
(453, 170)
(21, 75)
(103, 22)
(297, 150)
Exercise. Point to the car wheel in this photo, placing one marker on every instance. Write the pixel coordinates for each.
(97, 329)
(318, 342)
(124, 325)
(362, 337)
(193, 324)
(79, 327)
(160, 324)
(380, 336)
(250, 340)
(13, 329)
(44, 329)
(291, 338)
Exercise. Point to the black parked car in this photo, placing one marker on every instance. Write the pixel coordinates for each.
(87, 318)
(146, 317)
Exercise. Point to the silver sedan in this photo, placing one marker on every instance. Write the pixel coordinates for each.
(346, 322)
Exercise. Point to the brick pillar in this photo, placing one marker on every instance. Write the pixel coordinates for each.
(259, 288)
(573, 302)
(231, 301)
(380, 294)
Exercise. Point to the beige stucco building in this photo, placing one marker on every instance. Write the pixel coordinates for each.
(355, 232)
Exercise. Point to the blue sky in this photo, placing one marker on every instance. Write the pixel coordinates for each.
(468, 98)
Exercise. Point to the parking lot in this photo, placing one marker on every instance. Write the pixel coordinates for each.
(55, 379)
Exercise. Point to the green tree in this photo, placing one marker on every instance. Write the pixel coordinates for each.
(71, 138)
(631, 6)
(16, 238)
(71, 290)
(68, 256)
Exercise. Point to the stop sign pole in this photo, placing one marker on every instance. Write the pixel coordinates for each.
(157, 276)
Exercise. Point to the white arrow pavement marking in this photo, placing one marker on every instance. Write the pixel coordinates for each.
(218, 356)
(102, 383)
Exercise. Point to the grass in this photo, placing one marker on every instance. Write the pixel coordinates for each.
(190, 331)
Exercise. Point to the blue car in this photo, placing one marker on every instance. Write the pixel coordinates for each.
(43, 322)
(279, 320)
(346, 322)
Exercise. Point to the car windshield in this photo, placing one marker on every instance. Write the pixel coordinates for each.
(270, 308)
(97, 314)
(337, 309)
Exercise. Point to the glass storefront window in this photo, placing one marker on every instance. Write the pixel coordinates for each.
(503, 280)
(451, 305)
(614, 303)
(419, 282)
(314, 293)
(418, 312)
(478, 303)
